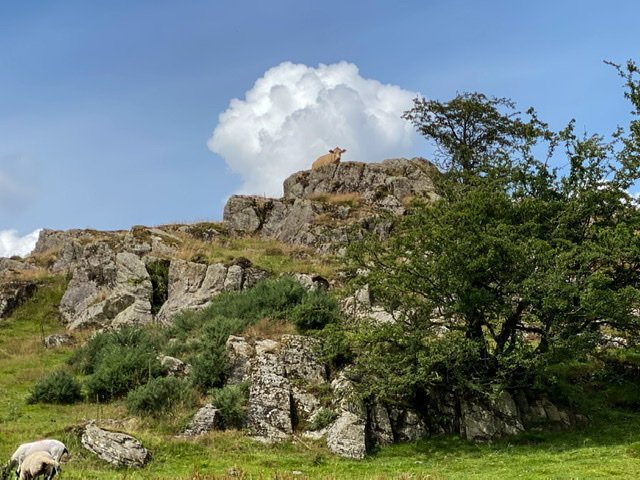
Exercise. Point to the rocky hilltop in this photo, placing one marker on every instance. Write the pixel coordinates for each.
(326, 207)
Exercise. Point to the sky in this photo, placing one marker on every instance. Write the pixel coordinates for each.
(122, 113)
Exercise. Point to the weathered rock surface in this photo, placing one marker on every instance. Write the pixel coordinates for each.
(192, 285)
(116, 448)
(480, 422)
(400, 178)
(13, 294)
(58, 340)
(205, 420)
(107, 289)
(347, 436)
(327, 207)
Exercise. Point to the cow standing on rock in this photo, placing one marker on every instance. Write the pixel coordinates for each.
(331, 158)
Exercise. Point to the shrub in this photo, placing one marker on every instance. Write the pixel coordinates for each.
(207, 368)
(121, 369)
(159, 396)
(159, 273)
(59, 387)
(322, 419)
(87, 359)
(232, 402)
(317, 310)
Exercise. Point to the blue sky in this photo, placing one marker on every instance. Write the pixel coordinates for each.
(107, 108)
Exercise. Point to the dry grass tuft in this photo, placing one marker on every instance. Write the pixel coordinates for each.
(268, 328)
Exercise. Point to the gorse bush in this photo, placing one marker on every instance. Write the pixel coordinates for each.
(159, 396)
(322, 419)
(122, 369)
(316, 310)
(85, 360)
(232, 402)
(59, 387)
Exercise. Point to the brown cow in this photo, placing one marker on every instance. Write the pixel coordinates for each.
(331, 158)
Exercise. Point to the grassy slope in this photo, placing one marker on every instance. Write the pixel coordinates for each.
(603, 450)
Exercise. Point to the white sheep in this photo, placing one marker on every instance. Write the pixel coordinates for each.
(55, 448)
(331, 158)
(37, 464)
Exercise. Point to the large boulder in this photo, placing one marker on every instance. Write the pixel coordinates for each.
(489, 420)
(119, 449)
(205, 420)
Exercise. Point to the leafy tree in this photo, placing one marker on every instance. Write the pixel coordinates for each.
(517, 263)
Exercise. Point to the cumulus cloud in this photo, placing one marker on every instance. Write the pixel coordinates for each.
(12, 244)
(295, 113)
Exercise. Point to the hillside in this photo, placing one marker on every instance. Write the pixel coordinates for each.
(209, 329)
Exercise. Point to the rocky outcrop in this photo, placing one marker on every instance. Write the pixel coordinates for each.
(174, 366)
(107, 289)
(58, 340)
(326, 208)
(192, 285)
(119, 449)
(13, 294)
(399, 178)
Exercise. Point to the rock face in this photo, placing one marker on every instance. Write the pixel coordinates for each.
(13, 294)
(107, 288)
(329, 206)
(192, 285)
(116, 448)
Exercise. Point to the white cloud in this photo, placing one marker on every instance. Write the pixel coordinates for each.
(12, 244)
(295, 113)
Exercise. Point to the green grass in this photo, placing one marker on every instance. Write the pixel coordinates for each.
(607, 448)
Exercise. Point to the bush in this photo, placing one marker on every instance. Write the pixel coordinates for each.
(232, 402)
(120, 370)
(322, 419)
(87, 359)
(59, 387)
(207, 368)
(159, 396)
(317, 310)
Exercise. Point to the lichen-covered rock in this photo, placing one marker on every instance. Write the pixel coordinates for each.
(400, 178)
(13, 294)
(116, 448)
(107, 289)
(192, 285)
(269, 416)
(347, 436)
(487, 421)
(239, 353)
(328, 207)
(205, 420)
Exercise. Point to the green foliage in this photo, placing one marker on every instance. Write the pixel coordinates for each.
(159, 396)
(322, 419)
(117, 361)
(516, 266)
(59, 387)
(317, 310)
(159, 273)
(232, 402)
(121, 369)
(86, 359)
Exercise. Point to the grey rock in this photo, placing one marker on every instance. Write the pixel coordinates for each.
(481, 422)
(380, 425)
(239, 353)
(346, 437)
(107, 290)
(407, 426)
(58, 340)
(205, 420)
(175, 367)
(116, 448)
(13, 294)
